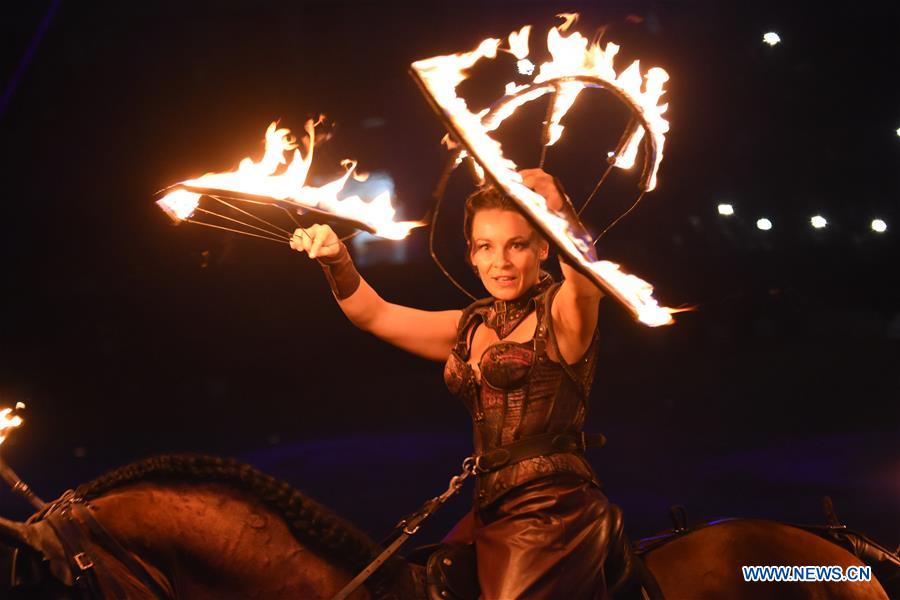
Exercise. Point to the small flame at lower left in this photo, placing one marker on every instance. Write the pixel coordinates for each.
(9, 421)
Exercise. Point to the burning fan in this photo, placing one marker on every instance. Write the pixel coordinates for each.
(575, 65)
(276, 183)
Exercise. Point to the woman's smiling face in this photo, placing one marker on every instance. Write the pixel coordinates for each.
(506, 251)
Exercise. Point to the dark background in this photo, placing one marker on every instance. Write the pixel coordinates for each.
(128, 337)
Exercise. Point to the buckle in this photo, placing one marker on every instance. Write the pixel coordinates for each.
(83, 561)
(491, 461)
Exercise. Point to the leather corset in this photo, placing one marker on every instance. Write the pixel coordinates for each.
(522, 393)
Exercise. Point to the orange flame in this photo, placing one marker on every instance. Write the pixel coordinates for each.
(9, 421)
(575, 65)
(282, 179)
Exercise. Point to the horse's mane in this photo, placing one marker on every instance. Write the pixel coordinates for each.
(310, 522)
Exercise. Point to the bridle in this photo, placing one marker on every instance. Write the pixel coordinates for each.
(77, 530)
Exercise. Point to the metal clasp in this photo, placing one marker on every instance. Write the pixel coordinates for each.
(477, 467)
(83, 561)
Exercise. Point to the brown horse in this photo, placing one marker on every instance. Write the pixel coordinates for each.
(707, 563)
(203, 527)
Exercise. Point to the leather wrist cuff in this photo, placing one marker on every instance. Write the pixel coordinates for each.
(341, 273)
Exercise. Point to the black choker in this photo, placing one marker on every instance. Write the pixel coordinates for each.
(503, 316)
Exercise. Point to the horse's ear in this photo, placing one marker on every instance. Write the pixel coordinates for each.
(13, 533)
(40, 538)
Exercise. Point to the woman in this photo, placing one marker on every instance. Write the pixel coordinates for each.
(523, 362)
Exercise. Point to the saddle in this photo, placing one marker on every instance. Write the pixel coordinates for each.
(451, 571)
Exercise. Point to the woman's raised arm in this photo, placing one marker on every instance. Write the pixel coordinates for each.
(430, 334)
(574, 310)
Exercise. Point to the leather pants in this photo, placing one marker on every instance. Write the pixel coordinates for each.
(545, 539)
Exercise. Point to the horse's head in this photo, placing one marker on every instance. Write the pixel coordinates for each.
(32, 561)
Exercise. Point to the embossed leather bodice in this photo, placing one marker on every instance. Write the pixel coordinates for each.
(522, 392)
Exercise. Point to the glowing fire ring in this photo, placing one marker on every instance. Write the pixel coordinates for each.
(652, 158)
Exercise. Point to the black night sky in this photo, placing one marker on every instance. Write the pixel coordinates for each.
(127, 336)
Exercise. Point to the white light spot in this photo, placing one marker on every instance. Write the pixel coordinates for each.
(610, 154)
(526, 67)
(879, 226)
(726, 209)
(818, 221)
(771, 38)
(898, 132)
(764, 224)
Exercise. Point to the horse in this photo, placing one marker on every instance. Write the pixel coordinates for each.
(707, 561)
(187, 526)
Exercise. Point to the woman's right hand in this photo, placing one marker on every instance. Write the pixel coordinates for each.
(318, 241)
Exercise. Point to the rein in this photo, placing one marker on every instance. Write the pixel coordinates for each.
(409, 525)
(494, 460)
(71, 519)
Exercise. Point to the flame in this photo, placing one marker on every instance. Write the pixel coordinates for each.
(569, 19)
(572, 57)
(180, 204)
(8, 422)
(518, 42)
(281, 178)
(575, 64)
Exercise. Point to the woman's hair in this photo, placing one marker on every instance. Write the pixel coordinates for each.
(486, 197)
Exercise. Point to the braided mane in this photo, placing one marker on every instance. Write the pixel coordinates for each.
(310, 522)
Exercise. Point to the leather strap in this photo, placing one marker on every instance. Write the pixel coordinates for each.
(81, 563)
(111, 545)
(341, 273)
(88, 570)
(534, 446)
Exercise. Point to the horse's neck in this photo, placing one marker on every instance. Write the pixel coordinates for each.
(208, 540)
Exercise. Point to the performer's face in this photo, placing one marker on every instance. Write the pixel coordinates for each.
(506, 251)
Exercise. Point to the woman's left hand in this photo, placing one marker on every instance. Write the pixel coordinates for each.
(546, 185)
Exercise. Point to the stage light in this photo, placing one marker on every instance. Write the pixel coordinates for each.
(726, 209)
(818, 221)
(771, 38)
(879, 226)
(764, 224)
